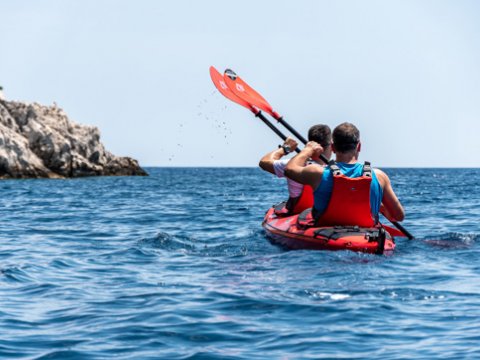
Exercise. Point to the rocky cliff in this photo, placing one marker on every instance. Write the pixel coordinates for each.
(39, 141)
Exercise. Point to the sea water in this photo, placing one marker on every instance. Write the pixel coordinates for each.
(176, 266)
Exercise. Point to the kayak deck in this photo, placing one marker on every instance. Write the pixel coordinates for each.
(287, 231)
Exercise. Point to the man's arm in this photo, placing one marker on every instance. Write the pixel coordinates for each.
(266, 162)
(391, 207)
(307, 175)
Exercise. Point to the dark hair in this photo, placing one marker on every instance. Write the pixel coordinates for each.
(320, 134)
(346, 137)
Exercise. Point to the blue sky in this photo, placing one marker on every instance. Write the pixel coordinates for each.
(406, 72)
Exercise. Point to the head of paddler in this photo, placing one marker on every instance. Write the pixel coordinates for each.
(346, 143)
(322, 135)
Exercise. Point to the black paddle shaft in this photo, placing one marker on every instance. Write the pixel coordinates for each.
(271, 126)
(403, 230)
(298, 136)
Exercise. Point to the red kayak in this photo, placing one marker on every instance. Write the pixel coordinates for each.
(298, 232)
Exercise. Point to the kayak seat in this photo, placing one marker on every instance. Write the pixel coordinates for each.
(305, 219)
(281, 209)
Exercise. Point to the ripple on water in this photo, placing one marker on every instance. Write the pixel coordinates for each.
(167, 242)
(453, 240)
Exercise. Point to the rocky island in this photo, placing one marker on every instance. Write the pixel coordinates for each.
(39, 141)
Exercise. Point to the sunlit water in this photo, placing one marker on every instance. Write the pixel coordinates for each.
(177, 266)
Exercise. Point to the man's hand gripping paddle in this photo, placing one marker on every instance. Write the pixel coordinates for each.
(219, 82)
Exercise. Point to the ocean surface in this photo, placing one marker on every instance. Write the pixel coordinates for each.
(176, 266)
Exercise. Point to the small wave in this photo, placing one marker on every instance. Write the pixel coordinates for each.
(326, 295)
(63, 354)
(38, 289)
(453, 240)
(411, 294)
(240, 243)
(169, 242)
(15, 273)
(61, 264)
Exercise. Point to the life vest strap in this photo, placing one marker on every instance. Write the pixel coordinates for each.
(334, 168)
(367, 169)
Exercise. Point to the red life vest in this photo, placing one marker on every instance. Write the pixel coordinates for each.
(349, 203)
(296, 205)
(305, 201)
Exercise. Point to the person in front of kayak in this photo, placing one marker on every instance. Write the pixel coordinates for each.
(273, 163)
(346, 192)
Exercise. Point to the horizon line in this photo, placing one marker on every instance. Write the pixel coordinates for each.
(257, 167)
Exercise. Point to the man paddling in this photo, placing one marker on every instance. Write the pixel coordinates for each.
(346, 192)
(272, 162)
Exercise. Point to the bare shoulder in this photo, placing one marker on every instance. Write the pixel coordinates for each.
(313, 174)
(380, 173)
(314, 169)
(382, 177)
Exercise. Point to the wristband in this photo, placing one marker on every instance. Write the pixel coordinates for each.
(286, 149)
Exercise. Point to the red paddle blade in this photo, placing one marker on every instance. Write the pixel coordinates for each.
(219, 82)
(245, 92)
